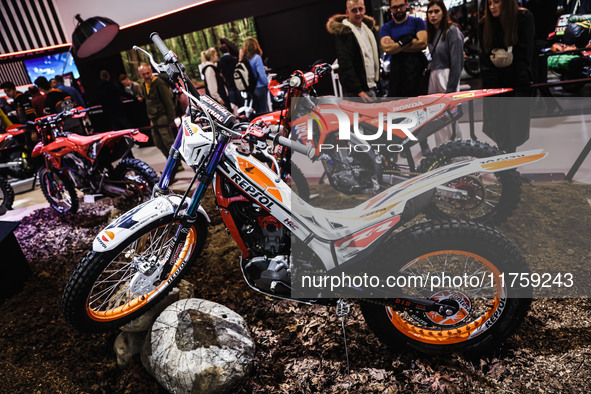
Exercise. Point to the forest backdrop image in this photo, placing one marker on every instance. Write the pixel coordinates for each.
(188, 47)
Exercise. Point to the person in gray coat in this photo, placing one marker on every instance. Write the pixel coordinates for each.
(446, 47)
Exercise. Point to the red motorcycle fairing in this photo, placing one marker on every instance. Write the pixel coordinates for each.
(58, 149)
(37, 150)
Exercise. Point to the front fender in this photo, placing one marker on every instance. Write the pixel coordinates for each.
(137, 219)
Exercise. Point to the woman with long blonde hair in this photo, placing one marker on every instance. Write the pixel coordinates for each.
(214, 81)
(251, 52)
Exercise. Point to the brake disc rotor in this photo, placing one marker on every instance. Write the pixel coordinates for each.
(451, 297)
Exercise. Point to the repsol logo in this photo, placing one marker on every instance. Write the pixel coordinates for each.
(251, 191)
(100, 241)
(497, 313)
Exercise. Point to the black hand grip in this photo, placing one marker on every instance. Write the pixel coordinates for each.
(159, 43)
(296, 146)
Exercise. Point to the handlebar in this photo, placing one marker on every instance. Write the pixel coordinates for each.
(295, 146)
(159, 44)
(304, 81)
(259, 131)
(59, 116)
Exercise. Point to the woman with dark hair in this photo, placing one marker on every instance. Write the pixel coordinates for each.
(252, 52)
(506, 35)
(446, 47)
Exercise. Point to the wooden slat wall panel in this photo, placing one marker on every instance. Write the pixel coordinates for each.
(29, 24)
(14, 72)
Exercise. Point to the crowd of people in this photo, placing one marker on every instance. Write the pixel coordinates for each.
(506, 34)
(425, 56)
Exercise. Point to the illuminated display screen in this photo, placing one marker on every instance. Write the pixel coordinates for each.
(51, 65)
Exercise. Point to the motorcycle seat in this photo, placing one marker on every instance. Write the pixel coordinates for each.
(402, 105)
(82, 139)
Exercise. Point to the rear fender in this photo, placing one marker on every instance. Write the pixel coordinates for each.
(418, 185)
(139, 136)
(138, 218)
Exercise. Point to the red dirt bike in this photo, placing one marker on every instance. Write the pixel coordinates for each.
(361, 166)
(16, 162)
(16, 146)
(74, 161)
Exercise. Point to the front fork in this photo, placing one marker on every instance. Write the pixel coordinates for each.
(204, 179)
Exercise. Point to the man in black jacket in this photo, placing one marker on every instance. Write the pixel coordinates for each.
(357, 51)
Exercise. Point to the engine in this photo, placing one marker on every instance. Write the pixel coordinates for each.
(269, 241)
(81, 172)
(352, 173)
(270, 275)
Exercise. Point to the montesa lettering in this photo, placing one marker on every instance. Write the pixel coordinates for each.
(251, 191)
(515, 156)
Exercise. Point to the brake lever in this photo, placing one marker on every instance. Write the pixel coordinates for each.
(157, 66)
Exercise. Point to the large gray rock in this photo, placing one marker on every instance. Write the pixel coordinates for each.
(198, 346)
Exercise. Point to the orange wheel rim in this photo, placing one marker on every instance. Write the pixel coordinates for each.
(443, 336)
(140, 301)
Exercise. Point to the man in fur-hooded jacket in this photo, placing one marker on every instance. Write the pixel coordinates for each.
(357, 51)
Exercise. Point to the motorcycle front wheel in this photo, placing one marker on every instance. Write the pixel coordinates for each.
(488, 198)
(108, 289)
(474, 257)
(58, 190)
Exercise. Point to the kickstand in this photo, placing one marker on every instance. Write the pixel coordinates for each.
(343, 309)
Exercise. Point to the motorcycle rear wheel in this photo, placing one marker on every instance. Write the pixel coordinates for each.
(491, 197)
(487, 315)
(140, 177)
(58, 190)
(106, 289)
(6, 195)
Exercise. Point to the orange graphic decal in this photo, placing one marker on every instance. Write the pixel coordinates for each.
(109, 234)
(512, 162)
(259, 177)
